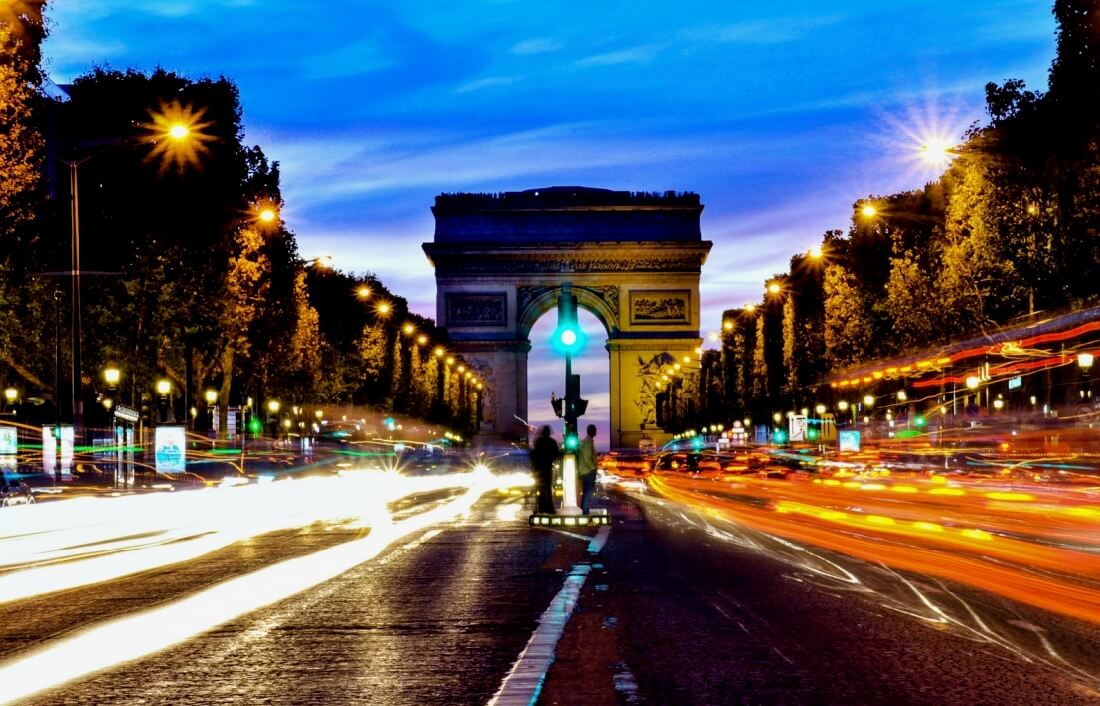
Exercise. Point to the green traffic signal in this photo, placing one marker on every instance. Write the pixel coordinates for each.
(572, 443)
(920, 421)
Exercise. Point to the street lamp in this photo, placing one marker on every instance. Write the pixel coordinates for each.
(11, 395)
(111, 376)
(176, 137)
(1084, 360)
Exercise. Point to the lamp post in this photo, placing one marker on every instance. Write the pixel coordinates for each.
(177, 132)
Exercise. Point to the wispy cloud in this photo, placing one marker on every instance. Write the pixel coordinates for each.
(779, 30)
(642, 54)
(483, 83)
(536, 45)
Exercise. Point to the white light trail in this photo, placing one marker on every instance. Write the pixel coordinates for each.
(135, 636)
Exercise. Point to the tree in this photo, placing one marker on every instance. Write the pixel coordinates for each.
(848, 325)
(26, 302)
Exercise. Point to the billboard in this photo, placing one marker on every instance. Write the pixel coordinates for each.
(9, 441)
(849, 440)
(797, 424)
(170, 449)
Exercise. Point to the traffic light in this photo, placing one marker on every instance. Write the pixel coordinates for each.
(920, 421)
(568, 337)
(555, 402)
(580, 406)
(572, 443)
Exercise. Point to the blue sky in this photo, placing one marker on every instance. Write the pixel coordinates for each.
(780, 115)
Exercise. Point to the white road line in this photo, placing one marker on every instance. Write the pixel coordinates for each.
(522, 685)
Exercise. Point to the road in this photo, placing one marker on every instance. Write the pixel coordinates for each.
(383, 589)
(691, 608)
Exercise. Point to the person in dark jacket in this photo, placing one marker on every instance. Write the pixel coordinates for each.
(543, 455)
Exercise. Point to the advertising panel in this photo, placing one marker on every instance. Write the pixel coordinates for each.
(9, 441)
(170, 446)
(797, 427)
(849, 440)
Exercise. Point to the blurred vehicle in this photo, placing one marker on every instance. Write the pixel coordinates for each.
(626, 462)
(17, 493)
(340, 433)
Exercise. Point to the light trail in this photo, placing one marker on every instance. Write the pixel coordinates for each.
(1036, 544)
(63, 545)
(930, 600)
(136, 636)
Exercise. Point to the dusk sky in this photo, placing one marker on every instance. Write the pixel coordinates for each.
(780, 115)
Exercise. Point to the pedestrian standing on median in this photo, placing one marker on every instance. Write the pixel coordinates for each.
(543, 455)
(586, 467)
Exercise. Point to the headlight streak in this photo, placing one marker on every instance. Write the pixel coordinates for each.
(81, 542)
(880, 583)
(138, 635)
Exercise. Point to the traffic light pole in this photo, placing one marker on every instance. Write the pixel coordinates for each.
(568, 338)
(569, 453)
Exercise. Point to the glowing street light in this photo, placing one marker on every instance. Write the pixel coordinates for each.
(383, 308)
(1084, 360)
(11, 395)
(774, 288)
(815, 253)
(868, 211)
(211, 396)
(179, 131)
(820, 409)
(972, 382)
(868, 400)
(727, 325)
(273, 406)
(363, 292)
(164, 387)
(937, 151)
(111, 376)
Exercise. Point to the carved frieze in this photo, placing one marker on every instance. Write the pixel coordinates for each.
(660, 307)
(477, 309)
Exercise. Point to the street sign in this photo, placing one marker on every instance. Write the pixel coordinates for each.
(126, 414)
(849, 440)
(1015, 382)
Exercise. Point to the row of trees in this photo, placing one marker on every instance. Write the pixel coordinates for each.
(1012, 228)
(187, 272)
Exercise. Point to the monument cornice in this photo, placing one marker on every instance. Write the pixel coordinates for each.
(581, 257)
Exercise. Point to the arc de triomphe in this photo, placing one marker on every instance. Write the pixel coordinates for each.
(632, 259)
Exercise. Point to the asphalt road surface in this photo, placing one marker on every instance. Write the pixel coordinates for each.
(679, 607)
(684, 609)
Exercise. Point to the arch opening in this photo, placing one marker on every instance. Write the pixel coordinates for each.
(546, 375)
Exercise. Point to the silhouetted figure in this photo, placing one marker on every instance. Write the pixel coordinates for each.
(586, 467)
(543, 455)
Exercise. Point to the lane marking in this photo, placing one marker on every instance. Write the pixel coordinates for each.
(524, 682)
(522, 685)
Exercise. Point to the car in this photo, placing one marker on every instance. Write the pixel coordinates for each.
(17, 493)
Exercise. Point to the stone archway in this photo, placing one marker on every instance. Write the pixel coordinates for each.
(633, 260)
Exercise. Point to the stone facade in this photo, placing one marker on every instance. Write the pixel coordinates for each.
(633, 261)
